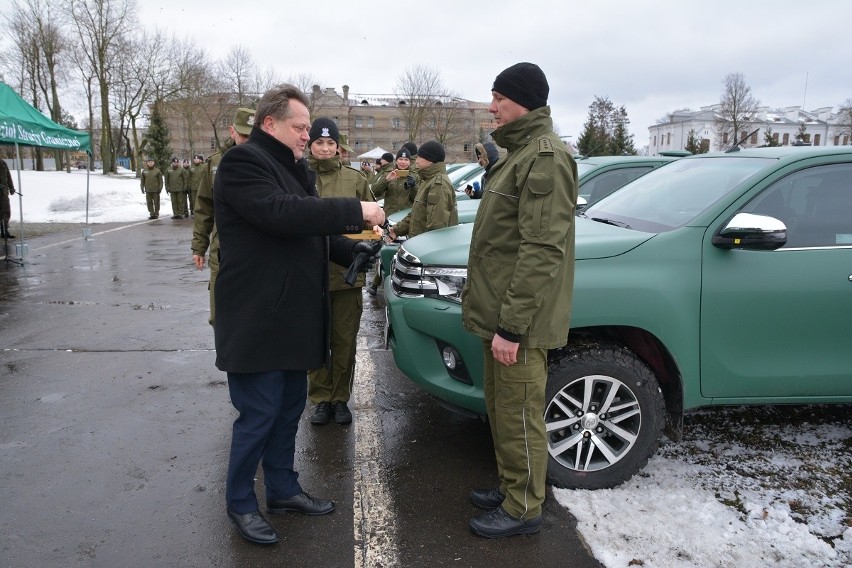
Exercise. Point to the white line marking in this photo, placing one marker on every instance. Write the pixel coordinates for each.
(374, 519)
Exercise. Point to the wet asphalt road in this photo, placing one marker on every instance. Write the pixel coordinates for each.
(115, 425)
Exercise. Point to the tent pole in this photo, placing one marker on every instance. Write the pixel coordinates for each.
(23, 244)
(87, 231)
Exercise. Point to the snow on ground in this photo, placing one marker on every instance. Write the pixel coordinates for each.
(60, 197)
(747, 487)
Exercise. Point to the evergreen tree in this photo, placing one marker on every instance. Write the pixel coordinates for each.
(801, 135)
(157, 139)
(694, 143)
(769, 138)
(621, 143)
(605, 130)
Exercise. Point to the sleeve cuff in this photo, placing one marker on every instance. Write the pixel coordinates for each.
(508, 336)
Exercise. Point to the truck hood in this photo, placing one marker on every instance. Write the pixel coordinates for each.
(450, 246)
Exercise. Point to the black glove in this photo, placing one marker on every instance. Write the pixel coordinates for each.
(409, 182)
(364, 255)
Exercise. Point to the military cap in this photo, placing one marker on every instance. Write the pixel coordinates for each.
(244, 121)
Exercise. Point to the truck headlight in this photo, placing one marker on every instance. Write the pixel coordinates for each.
(443, 283)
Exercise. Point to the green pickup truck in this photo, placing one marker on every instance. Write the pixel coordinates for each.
(722, 278)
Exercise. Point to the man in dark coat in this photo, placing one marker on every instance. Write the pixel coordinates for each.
(276, 237)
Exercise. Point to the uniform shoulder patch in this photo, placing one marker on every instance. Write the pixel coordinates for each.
(545, 146)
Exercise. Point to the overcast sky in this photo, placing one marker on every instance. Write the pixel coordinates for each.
(650, 56)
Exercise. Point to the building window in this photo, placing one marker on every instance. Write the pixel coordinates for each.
(371, 122)
(668, 139)
(846, 140)
(725, 139)
(837, 140)
(466, 147)
(655, 139)
(754, 138)
(395, 122)
(816, 139)
(359, 122)
(212, 143)
(775, 138)
(786, 139)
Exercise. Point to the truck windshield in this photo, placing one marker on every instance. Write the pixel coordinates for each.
(672, 196)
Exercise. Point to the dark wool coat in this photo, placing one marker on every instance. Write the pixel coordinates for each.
(271, 295)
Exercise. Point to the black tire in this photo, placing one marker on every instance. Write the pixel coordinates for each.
(604, 416)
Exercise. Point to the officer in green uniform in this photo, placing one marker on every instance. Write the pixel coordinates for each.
(384, 166)
(176, 184)
(517, 296)
(151, 180)
(398, 192)
(204, 233)
(195, 174)
(330, 388)
(186, 205)
(434, 204)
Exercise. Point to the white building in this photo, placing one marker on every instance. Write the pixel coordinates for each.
(823, 127)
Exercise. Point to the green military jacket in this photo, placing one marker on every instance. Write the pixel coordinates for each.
(380, 173)
(337, 180)
(151, 180)
(396, 196)
(520, 273)
(434, 205)
(204, 232)
(195, 176)
(176, 179)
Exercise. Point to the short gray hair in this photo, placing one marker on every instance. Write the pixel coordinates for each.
(276, 102)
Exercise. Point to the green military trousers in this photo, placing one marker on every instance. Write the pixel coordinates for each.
(514, 400)
(152, 200)
(336, 385)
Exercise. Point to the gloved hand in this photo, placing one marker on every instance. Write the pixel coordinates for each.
(364, 255)
(409, 182)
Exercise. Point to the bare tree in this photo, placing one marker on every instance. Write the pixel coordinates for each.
(98, 25)
(40, 42)
(738, 109)
(134, 86)
(264, 79)
(445, 120)
(236, 72)
(418, 88)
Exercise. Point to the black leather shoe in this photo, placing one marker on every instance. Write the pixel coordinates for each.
(322, 414)
(301, 503)
(487, 498)
(498, 524)
(341, 413)
(254, 528)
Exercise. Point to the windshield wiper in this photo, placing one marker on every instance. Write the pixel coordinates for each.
(611, 222)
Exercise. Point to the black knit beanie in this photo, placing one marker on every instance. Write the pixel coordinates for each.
(412, 147)
(324, 128)
(432, 151)
(523, 83)
(387, 157)
(403, 153)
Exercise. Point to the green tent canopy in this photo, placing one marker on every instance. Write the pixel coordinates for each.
(22, 124)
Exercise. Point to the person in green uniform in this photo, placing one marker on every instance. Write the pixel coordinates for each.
(398, 190)
(434, 204)
(330, 388)
(204, 234)
(151, 180)
(194, 179)
(187, 185)
(383, 167)
(175, 184)
(517, 296)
